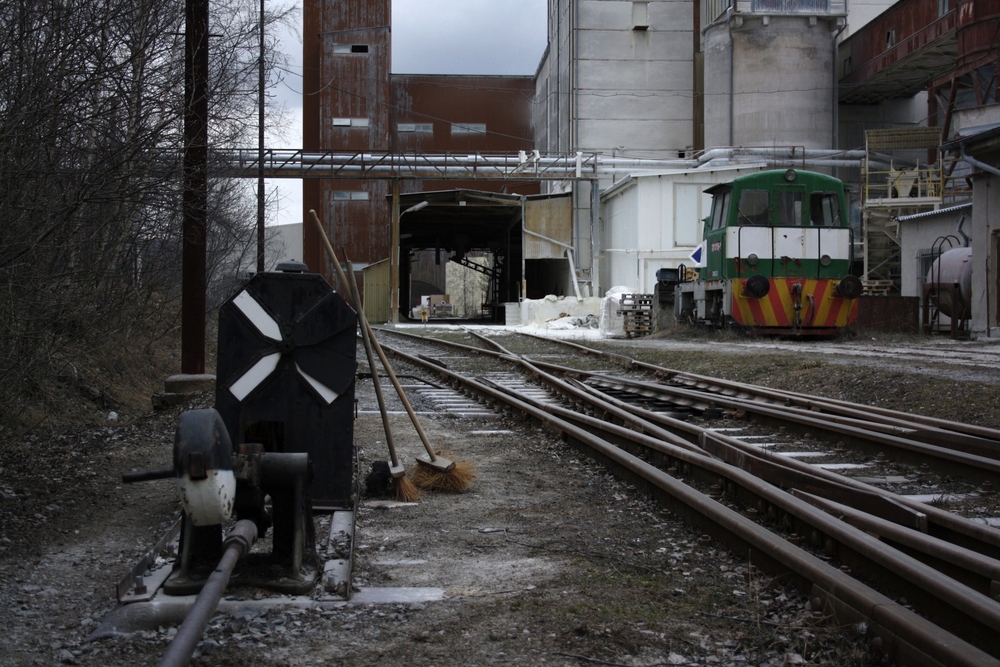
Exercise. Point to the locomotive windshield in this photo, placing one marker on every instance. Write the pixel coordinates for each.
(753, 208)
(824, 209)
(720, 209)
(789, 208)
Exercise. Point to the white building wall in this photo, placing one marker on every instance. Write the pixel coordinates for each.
(985, 235)
(633, 86)
(860, 12)
(921, 235)
(606, 87)
(285, 244)
(655, 221)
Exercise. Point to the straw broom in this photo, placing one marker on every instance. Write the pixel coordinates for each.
(402, 487)
(436, 471)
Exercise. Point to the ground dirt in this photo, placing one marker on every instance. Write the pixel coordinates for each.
(546, 560)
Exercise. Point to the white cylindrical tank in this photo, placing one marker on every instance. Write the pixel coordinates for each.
(951, 277)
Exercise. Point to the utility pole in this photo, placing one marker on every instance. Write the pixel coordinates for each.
(260, 146)
(195, 197)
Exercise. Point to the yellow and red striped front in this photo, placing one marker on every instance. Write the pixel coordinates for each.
(822, 307)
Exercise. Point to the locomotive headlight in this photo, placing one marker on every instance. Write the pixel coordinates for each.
(757, 287)
(850, 287)
(790, 175)
(752, 259)
(825, 260)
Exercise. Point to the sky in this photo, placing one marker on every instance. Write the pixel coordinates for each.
(428, 37)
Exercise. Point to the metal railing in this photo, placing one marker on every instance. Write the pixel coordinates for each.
(791, 6)
(899, 186)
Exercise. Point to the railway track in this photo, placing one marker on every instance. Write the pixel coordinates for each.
(884, 518)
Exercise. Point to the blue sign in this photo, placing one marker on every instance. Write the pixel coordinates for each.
(697, 255)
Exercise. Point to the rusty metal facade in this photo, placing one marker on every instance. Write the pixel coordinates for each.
(462, 114)
(353, 103)
(899, 52)
(346, 58)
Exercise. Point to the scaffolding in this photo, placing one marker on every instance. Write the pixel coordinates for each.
(902, 174)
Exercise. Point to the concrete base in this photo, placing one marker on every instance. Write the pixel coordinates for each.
(180, 387)
(189, 383)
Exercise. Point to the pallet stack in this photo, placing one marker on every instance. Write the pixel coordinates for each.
(637, 311)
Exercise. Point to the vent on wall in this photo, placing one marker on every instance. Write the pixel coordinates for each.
(640, 15)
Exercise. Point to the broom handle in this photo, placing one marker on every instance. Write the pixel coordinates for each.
(356, 295)
(371, 334)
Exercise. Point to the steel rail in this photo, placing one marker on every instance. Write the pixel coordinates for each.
(808, 401)
(963, 600)
(905, 635)
(967, 602)
(978, 467)
(937, 522)
(956, 435)
(855, 415)
(973, 569)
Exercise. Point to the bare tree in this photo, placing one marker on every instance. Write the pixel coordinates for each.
(90, 145)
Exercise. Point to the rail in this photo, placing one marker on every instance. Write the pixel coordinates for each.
(658, 457)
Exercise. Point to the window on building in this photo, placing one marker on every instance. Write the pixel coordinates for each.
(753, 208)
(415, 127)
(350, 122)
(350, 195)
(350, 48)
(890, 38)
(468, 128)
(943, 7)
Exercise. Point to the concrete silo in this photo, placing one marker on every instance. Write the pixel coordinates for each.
(769, 71)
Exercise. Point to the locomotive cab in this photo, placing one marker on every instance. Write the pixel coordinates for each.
(777, 251)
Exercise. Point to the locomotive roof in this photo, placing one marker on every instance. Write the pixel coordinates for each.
(774, 175)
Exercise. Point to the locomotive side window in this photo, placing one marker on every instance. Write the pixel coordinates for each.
(753, 208)
(824, 209)
(720, 209)
(789, 208)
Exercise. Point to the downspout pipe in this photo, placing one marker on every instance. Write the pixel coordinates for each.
(979, 165)
(732, 74)
(833, 92)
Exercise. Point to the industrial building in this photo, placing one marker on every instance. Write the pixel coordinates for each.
(654, 87)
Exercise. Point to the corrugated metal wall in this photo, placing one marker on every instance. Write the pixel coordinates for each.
(376, 300)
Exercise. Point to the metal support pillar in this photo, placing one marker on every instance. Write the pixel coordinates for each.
(394, 255)
(195, 198)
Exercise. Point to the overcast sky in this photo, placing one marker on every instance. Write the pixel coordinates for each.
(428, 37)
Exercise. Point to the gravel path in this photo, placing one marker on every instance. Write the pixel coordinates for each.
(547, 560)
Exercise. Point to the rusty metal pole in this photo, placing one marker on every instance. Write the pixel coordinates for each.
(394, 255)
(195, 197)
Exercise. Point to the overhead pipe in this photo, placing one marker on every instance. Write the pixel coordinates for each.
(567, 167)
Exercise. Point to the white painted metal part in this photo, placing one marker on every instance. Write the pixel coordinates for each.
(208, 501)
(260, 371)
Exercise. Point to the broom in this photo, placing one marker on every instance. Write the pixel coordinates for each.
(403, 488)
(444, 474)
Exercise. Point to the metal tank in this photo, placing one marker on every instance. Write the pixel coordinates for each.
(950, 276)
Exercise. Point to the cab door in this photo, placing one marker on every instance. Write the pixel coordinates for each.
(793, 240)
(715, 235)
